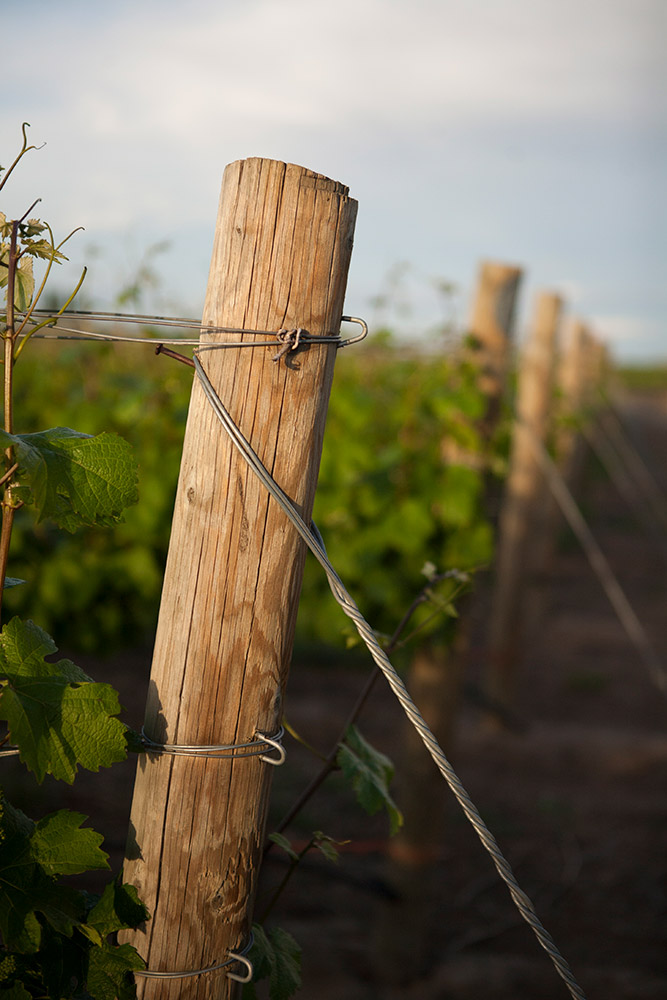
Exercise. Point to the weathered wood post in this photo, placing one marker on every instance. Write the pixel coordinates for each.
(492, 326)
(573, 384)
(281, 253)
(521, 524)
(435, 681)
(569, 447)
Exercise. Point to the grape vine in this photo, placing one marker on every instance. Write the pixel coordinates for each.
(56, 941)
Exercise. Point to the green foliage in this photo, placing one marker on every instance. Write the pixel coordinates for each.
(277, 957)
(96, 589)
(55, 939)
(401, 483)
(62, 848)
(56, 715)
(27, 887)
(643, 378)
(327, 846)
(283, 842)
(73, 478)
(389, 498)
(369, 772)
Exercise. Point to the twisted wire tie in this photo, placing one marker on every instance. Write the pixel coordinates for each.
(234, 956)
(314, 543)
(257, 747)
(290, 340)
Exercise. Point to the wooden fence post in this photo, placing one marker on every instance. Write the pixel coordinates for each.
(224, 638)
(569, 447)
(521, 523)
(492, 326)
(435, 682)
(572, 382)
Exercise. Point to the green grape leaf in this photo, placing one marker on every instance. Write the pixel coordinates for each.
(369, 772)
(108, 971)
(25, 284)
(284, 843)
(44, 249)
(4, 260)
(56, 715)
(62, 848)
(73, 478)
(275, 956)
(26, 888)
(327, 845)
(33, 227)
(119, 907)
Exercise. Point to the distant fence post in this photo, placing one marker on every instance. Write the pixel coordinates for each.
(573, 382)
(521, 523)
(280, 259)
(435, 680)
(492, 326)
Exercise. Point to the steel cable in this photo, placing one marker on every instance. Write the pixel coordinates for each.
(314, 542)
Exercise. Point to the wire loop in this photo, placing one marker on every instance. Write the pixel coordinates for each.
(276, 745)
(260, 746)
(233, 956)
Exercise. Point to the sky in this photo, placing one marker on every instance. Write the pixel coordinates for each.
(532, 132)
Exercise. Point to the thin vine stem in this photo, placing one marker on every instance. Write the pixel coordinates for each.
(8, 508)
(329, 762)
(280, 888)
(24, 149)
(50, 319)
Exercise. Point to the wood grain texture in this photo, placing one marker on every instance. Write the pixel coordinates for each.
(282, 249)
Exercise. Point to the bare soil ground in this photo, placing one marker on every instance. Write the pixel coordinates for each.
(577, 801)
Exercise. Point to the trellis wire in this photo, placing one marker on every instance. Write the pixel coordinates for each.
(621, 476)
(612, 427)
(599, 563)
(182, 323)
(314, 543)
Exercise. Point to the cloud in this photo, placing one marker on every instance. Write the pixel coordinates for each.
(519, 129)
(148, 69)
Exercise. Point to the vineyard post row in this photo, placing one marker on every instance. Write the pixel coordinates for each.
(529, 517)
(281, 254)
(435, 677)
(522, 522)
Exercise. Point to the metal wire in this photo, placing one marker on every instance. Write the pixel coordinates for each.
(598, 562)
(72, 333)
(314, 543)
(234, 956)
(257, 747)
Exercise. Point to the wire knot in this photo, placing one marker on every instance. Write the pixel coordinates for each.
(289, 341)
